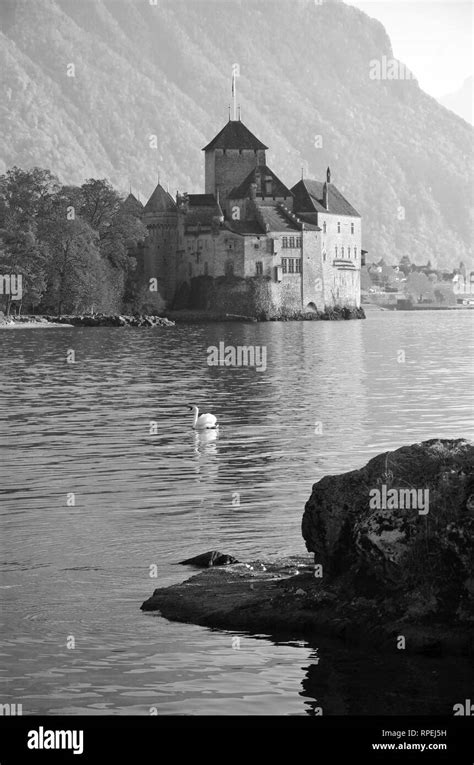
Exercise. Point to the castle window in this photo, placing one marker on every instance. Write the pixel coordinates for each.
(298, 241)
(291, 265)
(298, 265)
(284, 242)
(352, 228)
(335, 249)
(256, 246)
(292, 241)
(348, 252)
(284, 265)
(324, 255)
(338, 228)
(198, 257)
(342, 250)
(324, 227)
(355, 252)
(259, 267)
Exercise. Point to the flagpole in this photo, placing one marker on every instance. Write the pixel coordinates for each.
(234, 94)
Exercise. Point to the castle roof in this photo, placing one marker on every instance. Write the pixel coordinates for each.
(243, 190)
(160, 201)
(202, 210)
(309, 199)
(235, 135)
(132, 205)
(271, 218)
(276, 220)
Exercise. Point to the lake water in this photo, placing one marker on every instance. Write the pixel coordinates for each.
(77, 575)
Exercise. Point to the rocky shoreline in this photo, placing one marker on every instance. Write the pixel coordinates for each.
(393, 578)
(198, 316)
(96, 320)
(176, 317)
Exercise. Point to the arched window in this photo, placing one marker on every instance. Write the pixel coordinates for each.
(338, 227)
(335, 248)
(352, 228)
(342, 249)
(324, 227)
(348, 252)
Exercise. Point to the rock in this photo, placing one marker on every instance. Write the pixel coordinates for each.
(387, 570)
(212, 558)
(425, 550)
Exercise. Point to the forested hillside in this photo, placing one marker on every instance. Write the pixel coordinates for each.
(141, 70)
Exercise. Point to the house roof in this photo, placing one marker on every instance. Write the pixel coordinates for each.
(276, 220)
(235, 135)
(202, 210)
(309, 198)
(271, 216)
(243, 190)
(160, 201)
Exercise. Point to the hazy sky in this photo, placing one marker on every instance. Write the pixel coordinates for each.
(434, 38)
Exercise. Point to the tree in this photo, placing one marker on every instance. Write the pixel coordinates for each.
(118, 228)
(24, 195)
(22, 255)
(419, 287)
(444, 293)
(74, 273)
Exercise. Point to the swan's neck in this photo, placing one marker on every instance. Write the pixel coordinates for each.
(196, 413)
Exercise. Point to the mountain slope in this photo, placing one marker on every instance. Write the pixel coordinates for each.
(403, 160)
(460, 102)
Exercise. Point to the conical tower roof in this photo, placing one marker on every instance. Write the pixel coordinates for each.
(160, 201)
(235, 135)
(133, 205)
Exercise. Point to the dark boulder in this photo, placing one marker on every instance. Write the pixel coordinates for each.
(403, 525)
(212, 558)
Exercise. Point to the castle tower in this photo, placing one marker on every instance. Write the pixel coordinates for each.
(160, 216)
(230, 157)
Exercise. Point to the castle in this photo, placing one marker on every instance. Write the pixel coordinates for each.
(300, 246)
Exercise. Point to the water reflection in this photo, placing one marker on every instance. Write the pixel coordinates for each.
(151, 499)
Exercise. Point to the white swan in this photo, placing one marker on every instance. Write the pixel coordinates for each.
(203, 421)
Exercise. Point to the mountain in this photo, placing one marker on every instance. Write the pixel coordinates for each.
(164, 70)
(460, 102)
